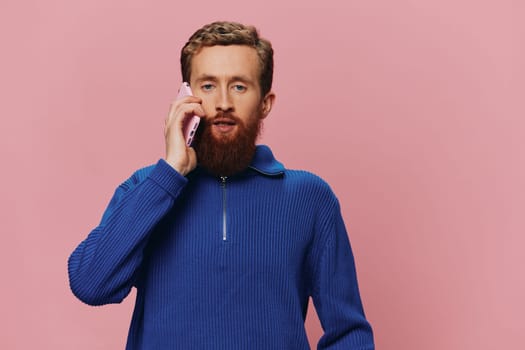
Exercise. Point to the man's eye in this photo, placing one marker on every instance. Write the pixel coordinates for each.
(207, 87)
(239, 88)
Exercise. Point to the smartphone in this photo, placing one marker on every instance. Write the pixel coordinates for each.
(190, 125)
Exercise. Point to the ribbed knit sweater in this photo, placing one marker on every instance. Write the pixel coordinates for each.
(224, 263)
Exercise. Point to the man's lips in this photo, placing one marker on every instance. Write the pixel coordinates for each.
(224, 125)
(224, 121)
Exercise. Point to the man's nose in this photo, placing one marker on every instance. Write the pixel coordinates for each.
(224, 101)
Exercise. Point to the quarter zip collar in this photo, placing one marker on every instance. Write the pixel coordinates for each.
(265, 163)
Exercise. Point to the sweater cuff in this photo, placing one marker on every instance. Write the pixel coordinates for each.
(168, 178)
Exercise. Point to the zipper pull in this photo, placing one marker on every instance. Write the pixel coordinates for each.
(224, 231)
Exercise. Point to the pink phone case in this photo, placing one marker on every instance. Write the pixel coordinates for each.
(189, 128)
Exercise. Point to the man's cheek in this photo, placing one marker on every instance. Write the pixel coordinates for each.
(208, 107)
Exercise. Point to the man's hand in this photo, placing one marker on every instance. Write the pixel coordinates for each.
(181, 157)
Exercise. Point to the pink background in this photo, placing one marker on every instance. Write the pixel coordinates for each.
(412, 110)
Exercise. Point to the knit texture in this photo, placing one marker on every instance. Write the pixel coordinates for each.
(224, 263)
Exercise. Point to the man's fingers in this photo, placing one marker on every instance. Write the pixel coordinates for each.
(178, 154)
(180, 111)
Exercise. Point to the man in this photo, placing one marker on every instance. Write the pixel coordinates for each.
(224, 245)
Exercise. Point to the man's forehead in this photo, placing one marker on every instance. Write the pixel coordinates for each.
(225, 61)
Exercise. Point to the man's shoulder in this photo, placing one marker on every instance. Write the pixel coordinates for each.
(305, 180)
(304, 176)
(265, 163)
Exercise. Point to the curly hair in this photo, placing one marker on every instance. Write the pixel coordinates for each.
(230, 33)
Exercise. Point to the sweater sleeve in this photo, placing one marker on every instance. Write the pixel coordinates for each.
(102, 269)
(336, 293)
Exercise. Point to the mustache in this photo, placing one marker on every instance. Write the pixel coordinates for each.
(225, 115)
(221, 116)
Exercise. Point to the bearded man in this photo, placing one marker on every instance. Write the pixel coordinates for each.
(224, 245)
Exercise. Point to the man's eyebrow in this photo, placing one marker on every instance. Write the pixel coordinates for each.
(241, 78)
(206, 77)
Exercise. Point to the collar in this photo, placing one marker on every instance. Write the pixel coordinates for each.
(265, 163)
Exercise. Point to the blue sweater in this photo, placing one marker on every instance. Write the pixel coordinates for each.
(224, 263)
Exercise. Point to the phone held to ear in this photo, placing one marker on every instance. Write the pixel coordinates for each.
(190, 124)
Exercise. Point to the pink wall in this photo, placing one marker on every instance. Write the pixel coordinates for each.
(409, 109)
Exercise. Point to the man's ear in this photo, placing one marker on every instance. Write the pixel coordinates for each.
(267, 104)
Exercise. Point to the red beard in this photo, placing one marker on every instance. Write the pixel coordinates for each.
(224, 155)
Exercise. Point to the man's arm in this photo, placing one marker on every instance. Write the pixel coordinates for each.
(102, 269)
(336, 293)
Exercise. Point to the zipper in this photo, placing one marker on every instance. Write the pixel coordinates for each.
(223, 185)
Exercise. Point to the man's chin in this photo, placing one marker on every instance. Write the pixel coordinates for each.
(225, 151)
